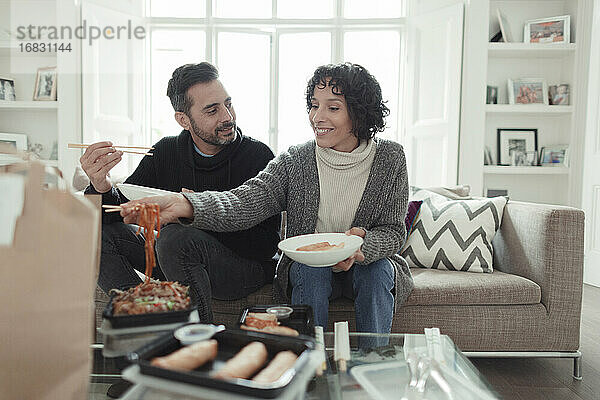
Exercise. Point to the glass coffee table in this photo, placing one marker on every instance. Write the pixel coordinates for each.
(385, 370)
(439, 371)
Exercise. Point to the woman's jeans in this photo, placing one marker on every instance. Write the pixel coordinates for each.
(370, 286)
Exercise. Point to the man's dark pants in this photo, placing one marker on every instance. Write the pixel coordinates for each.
(186, 255)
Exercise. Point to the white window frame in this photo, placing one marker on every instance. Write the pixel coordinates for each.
(275, 27)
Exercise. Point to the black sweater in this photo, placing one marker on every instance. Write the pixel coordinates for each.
(176, 165)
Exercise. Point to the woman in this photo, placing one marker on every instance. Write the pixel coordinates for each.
(343, 181)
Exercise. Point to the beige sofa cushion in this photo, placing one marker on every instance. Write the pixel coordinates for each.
(442, 287)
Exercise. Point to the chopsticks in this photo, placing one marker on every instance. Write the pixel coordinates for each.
(321, 347)
(115, 208)
(111, 208)
(85, 146)
(342, 345)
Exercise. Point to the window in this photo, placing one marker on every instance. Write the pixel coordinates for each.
(266, 50)
(170, 49)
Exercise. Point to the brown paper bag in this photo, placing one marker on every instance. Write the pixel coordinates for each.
(46, 289)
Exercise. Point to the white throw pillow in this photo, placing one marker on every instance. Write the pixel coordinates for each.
(453, 234)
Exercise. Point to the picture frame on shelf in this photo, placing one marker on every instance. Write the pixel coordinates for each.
(497, 37)
(527, 91)
(555, 156)
(45, 84)
(16, 141)
(7, 90)
(487, 156)
(504, 27)
(491, 96)
(514, 145)
(548, 30)
(558, 95)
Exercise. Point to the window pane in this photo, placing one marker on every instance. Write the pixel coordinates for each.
(244, 68)
(178, 8)
(299, 55)
(242, 9)
(373, 9)
(384, 65)
(170, 49)
(305, 9)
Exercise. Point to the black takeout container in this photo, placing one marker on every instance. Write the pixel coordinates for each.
(162, 318)
(230, 342)
(301, 318)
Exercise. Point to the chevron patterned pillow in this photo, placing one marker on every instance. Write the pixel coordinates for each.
(453, 234)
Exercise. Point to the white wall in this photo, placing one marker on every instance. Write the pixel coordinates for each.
(472, 120)
(591, 161)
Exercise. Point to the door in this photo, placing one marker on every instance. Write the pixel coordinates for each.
(113, 94)
(591, 177)
(433, 92)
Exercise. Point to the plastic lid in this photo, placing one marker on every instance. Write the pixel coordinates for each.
(193, 333)
(281, 312)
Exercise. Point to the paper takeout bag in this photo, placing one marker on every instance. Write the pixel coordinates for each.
(46, 291)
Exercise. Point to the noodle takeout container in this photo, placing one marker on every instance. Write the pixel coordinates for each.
(200, 382)
(301, 318)
(138, 320)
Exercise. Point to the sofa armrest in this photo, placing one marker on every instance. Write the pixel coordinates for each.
(544, 243)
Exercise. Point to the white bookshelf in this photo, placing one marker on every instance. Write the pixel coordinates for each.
(527, 109)
(28, 105)
(511, 170)
(49, 123)
(555, 124)
(530, 50)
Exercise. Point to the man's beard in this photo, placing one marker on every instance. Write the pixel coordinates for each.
(214, 138)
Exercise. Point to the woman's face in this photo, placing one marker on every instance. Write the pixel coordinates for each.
(330, 120)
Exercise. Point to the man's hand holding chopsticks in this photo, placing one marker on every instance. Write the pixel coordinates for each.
(98, 159)
(172, 207)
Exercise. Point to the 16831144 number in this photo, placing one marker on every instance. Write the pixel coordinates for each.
(43, 47)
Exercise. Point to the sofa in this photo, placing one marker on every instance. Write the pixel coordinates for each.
(529, 306)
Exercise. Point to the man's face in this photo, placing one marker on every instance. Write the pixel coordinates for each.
(212, 117)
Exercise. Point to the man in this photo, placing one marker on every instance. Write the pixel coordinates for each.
(209, 154)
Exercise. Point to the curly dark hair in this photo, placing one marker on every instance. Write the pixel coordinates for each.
(362, 92)
(185, 77)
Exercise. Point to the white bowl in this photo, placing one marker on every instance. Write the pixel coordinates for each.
(135, 192)
(321, 258)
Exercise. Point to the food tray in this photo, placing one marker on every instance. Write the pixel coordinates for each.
(162, 318)
(390, 381)
(301, 318)
(229, 343)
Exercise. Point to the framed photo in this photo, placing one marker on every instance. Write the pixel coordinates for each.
(45, 84)
(504, 28)
(558, 95)
(7, 89)
(555, 156)
(491, 95)
(548, 30)
(514, 145)
(16, 141)
(527, 91)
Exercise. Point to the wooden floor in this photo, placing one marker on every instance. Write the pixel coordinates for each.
(532, 379)
(551, 379)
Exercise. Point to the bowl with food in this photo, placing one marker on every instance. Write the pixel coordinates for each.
(320, 249)
(136, 192)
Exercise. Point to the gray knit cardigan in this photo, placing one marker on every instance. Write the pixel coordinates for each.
(290, 183)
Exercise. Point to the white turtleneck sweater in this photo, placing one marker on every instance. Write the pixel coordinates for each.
(342, 181)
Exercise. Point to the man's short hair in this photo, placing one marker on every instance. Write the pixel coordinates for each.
(184, 78)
